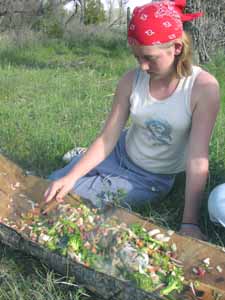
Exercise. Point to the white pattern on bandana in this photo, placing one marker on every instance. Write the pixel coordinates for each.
(172, 36)
(149, 32)
(178, 22)
(169, 11)
(167, 24)
(144, 17)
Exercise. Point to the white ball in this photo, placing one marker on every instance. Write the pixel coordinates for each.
(216, 204)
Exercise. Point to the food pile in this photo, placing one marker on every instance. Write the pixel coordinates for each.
(128, 252)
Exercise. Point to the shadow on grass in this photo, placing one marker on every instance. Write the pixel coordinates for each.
(31, 277)
(168, 211)
(39, 161)
(53, 58)
(25, 263)
(100, 46)
(16, 58)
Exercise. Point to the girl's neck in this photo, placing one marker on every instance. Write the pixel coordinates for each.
(164, 79)
(164, 86)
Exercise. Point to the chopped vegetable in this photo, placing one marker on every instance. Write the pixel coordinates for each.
(129, 252)
(174, 283)
(219, 269)
(206, 261)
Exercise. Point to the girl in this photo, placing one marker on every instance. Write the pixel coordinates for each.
(173, 106)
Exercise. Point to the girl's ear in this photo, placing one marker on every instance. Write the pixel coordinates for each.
(178, 46)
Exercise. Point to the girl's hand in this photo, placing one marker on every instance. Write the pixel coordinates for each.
(58, 189)
(193, 231)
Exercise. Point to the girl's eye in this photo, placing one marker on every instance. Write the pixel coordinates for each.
(151, 58)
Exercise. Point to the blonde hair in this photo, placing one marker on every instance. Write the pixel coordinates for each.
(184, 60)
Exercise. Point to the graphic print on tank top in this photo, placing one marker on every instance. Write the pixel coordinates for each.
(160, 131)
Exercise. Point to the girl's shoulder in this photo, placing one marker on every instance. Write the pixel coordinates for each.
(205, 78)
(130, 75)
(127, 80)
(205, 88)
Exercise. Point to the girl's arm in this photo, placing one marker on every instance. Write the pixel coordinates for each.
(205, 106)
(103, 144)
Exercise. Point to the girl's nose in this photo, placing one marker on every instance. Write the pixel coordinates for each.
(144, 65)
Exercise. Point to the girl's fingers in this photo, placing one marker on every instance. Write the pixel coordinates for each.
(47, 192)
(61, 194)
(58, 189)
(60, 200)
(51, 192)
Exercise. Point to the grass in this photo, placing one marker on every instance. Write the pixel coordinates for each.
(60, 97)
(22, 277)
(55, 94)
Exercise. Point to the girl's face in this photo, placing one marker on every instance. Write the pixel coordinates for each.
(156, 61)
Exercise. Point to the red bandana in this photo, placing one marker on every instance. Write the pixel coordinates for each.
(158, 22)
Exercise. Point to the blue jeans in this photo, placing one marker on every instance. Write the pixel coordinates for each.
(118, 179)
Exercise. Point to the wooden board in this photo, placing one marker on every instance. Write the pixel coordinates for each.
(19, 193)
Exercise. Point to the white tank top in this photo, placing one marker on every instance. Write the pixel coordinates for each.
(158, 137)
